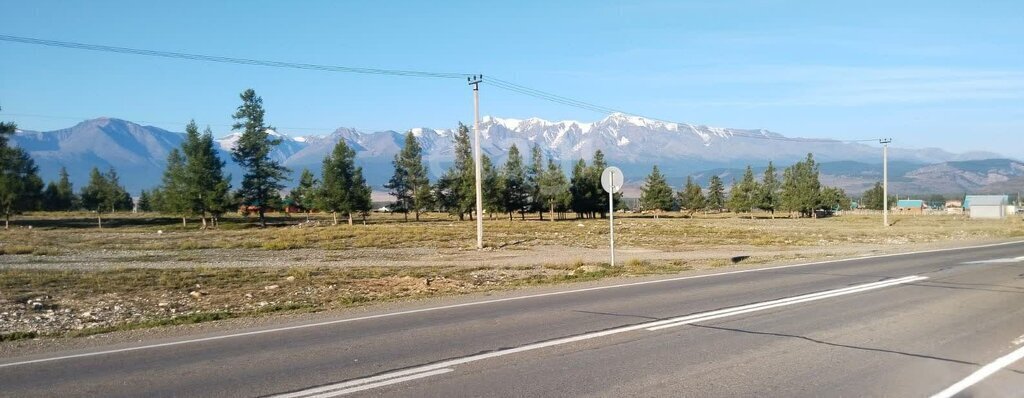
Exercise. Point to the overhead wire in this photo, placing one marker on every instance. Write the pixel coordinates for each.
(231, 60)
(495, 82)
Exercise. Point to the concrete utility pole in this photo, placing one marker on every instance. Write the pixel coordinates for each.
(475, 82)
(885, 180)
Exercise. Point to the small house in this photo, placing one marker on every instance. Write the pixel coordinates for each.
(910, 206)
(986, 206)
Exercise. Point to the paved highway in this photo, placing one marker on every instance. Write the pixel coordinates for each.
(920, 324)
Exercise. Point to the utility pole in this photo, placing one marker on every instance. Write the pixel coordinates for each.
(885, 180)
(475, 82)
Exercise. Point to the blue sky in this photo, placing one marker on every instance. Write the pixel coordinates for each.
(928, 73)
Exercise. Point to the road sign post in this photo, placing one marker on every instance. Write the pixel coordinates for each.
(611, 181)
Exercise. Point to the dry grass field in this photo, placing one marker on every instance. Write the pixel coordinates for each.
(65, 277)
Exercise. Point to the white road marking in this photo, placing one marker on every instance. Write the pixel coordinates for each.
(566, 340)
(335, 390)
(981, 374)
(787, 301)
(998, 260)
(475, 303)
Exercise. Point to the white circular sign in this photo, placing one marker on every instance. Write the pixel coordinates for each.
(612, 179)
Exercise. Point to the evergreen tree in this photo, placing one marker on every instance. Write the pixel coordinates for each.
(343, 190)
(833, 199)
(691, 197)
(410, 185)
(175, 190)
(20, 185)
(493, 187)
(457, 189)
(514, 185)
(60, 195)
(104, 193)
(145, 202)
(600, 203)
(303, 196)
(715, 199)
(743, 195)
(768, 191)
(534, 175)
(204, 186)
(581, 187)
(263, 175)
(872, 199)
(801, 188)
(656, 194)
(554, 188)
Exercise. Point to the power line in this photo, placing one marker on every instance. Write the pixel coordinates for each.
(495, 82)
(230, 60)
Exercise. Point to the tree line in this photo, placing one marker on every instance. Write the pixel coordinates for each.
(194, 183)
(799, 191)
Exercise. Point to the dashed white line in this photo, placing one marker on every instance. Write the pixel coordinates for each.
(335, 390)
(981, 374)
(566, 340)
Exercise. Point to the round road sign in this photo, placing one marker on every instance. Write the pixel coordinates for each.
(611, 179)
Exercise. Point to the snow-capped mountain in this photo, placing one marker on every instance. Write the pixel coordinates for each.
(633, 143)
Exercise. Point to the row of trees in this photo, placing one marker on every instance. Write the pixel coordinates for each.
(514, 188)
(194, 183)
(799, 191)
(21, 188)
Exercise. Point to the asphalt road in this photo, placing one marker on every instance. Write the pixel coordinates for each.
(902, 325)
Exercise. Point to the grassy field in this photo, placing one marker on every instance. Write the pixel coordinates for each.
(65, 277)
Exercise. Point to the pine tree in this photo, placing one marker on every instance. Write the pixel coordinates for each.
(534, 175)
(581, 188)
(801, 188)
(554, 188)
(656, 194)
(833, 199)
(457, 189)
(20, 185)
(691, 197)
(715, 199)
(303, 196)
(493, 187)
(514, 184)
(104, 192)
(145, 202)
(872, 198)
(203, 187)
(263, 175)
(410, 185)
(175, 190)
(600, 202)
(743, 195)
(343, 190)
(768, 191)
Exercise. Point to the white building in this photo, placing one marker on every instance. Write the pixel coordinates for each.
(986, 206)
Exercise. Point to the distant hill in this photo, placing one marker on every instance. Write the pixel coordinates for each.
(634, 144)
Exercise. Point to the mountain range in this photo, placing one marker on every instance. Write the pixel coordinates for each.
(632, 143)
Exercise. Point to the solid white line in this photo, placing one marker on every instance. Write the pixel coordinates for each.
(475, 303)
(790, 301)
(761, 304)
(381, 384)
(573, 339)
(981, 374)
